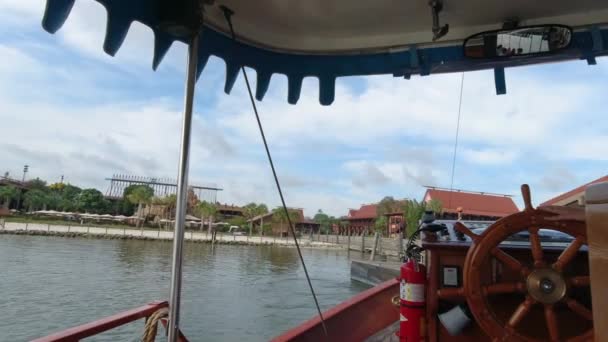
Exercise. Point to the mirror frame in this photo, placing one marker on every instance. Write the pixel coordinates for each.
(530, 55)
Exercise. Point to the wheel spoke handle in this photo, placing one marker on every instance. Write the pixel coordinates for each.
(521, 311)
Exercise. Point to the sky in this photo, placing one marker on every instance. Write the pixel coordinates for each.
(67, 108)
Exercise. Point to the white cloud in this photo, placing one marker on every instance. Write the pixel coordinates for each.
(387, 139)
(423, 107)
(20, 7)
(592, 147)
(490, 156)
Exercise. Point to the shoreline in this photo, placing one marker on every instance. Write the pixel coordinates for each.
(107, 233)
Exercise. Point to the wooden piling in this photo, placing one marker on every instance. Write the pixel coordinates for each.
(376, 238)
(363, 242)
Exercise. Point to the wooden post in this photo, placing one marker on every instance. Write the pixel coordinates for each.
(261, 228)
(348, 249)
(376, 238)
(250, 229)
(362, 242)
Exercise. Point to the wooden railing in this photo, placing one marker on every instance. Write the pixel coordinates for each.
(104, 324)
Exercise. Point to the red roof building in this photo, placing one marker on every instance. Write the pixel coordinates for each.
(574, 196)
(474, 205)
(362, 219)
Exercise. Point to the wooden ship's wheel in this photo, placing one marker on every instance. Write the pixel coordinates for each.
(542, 283)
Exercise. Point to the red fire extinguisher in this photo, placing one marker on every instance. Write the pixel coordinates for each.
(412, 326)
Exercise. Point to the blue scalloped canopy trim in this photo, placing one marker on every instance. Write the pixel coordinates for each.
(415, 60)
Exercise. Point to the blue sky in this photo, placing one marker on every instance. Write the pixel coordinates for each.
(67, 108)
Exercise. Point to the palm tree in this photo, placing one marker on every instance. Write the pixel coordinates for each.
(435, 205)
(140, 195)
(7, 194)
(413, 213)
(206, 210)
(35, 199)
(279, 215)
(170, 201)
(252, 210)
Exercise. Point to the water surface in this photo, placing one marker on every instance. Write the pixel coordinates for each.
(230, 293)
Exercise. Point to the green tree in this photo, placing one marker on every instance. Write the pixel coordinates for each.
(237, 221)
(56, 187)
(323, 220)
(386, 206)
(53, 200)
(413, 211)
(37, 184)
(35, 199)
(69, 197)
(91, 200)
(7, 194)
(252, 210)
(280, 216)
(262, 209)
(435, 205)
(140, 195)
(206, 210)
(380, 225)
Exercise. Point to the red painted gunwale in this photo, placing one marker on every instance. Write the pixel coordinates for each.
(353, 320)
(104, 324)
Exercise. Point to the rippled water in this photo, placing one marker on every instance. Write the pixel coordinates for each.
(230, 293)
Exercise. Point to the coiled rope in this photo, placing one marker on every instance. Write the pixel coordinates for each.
(151, 326)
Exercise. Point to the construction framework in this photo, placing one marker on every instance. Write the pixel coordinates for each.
(161, 187)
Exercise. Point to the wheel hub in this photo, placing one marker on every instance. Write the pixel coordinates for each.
(546, 285)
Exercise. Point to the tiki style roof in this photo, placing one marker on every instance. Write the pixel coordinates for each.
(367, 211)
(472, 203)
(572, 195)
(330, 39)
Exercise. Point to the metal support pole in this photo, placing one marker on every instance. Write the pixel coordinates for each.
(182, 192)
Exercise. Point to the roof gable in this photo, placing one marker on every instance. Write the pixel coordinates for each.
(367, 211)
(573, 192)
(472, 203)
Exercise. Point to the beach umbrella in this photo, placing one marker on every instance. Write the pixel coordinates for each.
(192, 218)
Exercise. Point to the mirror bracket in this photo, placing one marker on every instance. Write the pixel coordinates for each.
(414, 57)
(500, 81)
(598, 44)
(596, 35)
(438, 30)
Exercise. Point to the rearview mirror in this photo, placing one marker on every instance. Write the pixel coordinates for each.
(521, 41)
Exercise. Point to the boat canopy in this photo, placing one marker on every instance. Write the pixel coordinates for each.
(327, 39)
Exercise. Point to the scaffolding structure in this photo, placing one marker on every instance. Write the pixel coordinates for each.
(161, 186)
